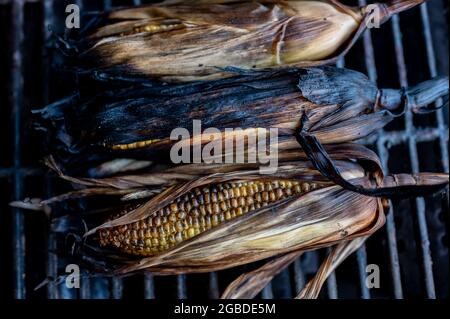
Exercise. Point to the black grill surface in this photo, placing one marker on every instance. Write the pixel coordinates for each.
(411, 250)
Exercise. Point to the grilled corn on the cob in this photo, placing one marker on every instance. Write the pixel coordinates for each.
(190, 41)
(304, 211)
(198, 211)
(137, 121)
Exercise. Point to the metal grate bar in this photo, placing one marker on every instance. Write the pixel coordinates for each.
(117, 287)
(267, 292)
(116, 282)
(17, 101)
(299, 276)
(369, 54)
(400, 137)
(79, 3)
(433, 72)
(23, 171)
(52, 268)
(391, 233)
(332, 286)
(332, 289)
(213, 285)
(361, 255)
(107, 5)
(85, 286)
(181, 287)
(52, 258)
(332, 283)
(409, 127)
(99, 288)
(149, 286)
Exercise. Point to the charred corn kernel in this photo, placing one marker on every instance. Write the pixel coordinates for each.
(215, 220)
(151, 28)
(162, 231)
(305, 187)
(133, 145)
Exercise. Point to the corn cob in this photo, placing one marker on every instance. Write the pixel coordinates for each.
(137, 121)
(196, 212)
(206, 208)
(187, 41)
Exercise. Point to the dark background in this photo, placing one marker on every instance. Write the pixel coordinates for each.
(411, 250)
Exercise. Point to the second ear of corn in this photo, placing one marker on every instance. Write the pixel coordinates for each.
(137, 121)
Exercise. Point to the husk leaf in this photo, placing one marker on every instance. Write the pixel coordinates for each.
(333, 260)
(249, 284)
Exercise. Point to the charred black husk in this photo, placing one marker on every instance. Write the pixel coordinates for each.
(135, 119)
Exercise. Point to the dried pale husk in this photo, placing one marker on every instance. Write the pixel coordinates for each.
(292, 161)
(319, 218)
(248, 285)
(148, 184)
(333, 260)
(324, 217)
(341, 105)
(192, 40)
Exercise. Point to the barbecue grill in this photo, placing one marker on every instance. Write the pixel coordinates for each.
(411, 251)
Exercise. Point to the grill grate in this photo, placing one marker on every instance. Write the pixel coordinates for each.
(402, 254)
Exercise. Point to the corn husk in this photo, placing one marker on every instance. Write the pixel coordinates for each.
(315, 219)
(147, 184)
(334, 258)
(327, 216)
(192, 40)
(249, 284)
(341, 105)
